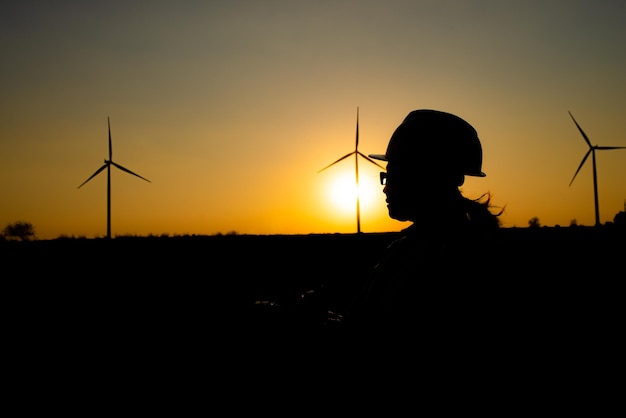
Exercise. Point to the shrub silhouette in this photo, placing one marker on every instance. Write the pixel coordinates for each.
(22, 230)
(534, 222)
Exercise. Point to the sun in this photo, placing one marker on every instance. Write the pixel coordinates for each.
(342, 192)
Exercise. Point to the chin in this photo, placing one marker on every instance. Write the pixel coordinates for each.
(397, 216)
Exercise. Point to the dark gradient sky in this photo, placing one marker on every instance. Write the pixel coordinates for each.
(231, 107)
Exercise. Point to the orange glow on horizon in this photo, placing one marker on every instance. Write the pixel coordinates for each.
(231, 111)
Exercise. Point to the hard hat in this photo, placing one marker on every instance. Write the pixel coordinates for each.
(435, 140)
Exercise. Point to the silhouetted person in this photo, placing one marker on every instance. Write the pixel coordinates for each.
(429, 282)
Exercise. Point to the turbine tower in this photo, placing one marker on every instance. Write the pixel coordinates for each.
(356, 154)
(592, 151)
(107, 165)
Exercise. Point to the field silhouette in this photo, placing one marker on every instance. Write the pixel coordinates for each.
(552, 278)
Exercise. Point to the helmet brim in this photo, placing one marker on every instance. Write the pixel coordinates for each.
(381, 157)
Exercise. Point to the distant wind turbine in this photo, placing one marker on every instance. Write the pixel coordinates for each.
(107, 165)
(356, 154)
(592, 151)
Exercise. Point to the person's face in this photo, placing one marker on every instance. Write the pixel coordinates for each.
(405, 192)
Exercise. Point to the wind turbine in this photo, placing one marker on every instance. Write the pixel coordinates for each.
(356, 154)
(592, 151)
(107, 165)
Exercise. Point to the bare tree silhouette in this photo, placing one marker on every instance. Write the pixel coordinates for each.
(25, 231)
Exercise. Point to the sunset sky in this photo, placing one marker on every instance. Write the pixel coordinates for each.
(230, 108)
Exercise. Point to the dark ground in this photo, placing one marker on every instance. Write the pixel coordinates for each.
(250, 281)
(90, 322)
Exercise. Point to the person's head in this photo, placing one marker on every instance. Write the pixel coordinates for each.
(428, 157)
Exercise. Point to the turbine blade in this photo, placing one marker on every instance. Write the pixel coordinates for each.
(581, 164)
(370, 160)
(356, 147)
(610, 147)
(581, 130)
(110, 145)
(129, 172)
(342, 158)
(94, 174)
